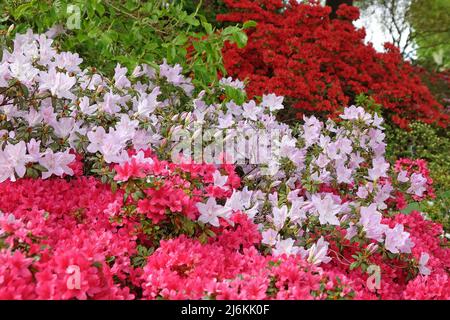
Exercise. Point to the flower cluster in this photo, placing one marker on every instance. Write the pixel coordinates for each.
(104, 193)
(321, 64)
(53, 228)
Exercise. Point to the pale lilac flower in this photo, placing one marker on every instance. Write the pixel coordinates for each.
(148, 103)
(22, 70)
(16, 158)
(237, 84)
(96, 138)
(6, 170)
(344, 175)
(327, 209)
(371, 222)
(54, 31)
(344, 145)
(423, 269)
(225, 121)
(142, 140)
(402, 176)
(377, 121)
(112, 148)
(352, 231)
(297, 213)
(312, 129)
(322, 161)
(58, 83)
(356, 113)
(120, 77)
(219, 180)
(362, 192)
(33, 117)
(250, 110)
(418, 184)
(111, 103)
(210, 212)
(4, 75)
(234, 202)
(48, 115)
(379, 168)
(285, 247)
(64, 127)
(273, 102)
(383, 194)
(56, 163)
(68, 61)
(269, 237)
(33, 148)
(141, 158)
(286, 146)
(397, 240)
(279, 217)
(355, 160)
(126, 128)
(171, 73)
(317, 254)
(86, 108)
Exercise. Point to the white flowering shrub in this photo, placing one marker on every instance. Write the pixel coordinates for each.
(312, 190)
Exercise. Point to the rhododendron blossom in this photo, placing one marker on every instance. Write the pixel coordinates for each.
(141, 187)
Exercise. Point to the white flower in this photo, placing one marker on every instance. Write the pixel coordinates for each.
(418, 184)
(96, 138)
(379, 168)
(397, 240)
(237, 84)
(148, 103)
(402, 176)
(56, 163)
(120, 77)
(424, 257)
(371, 222)
(86, 108)
(219, 180)
(285, 247)
(22, 69)
(34, 149)
(13, 159)
(211, 211)
(327, 209)
(318, 252)
(279, 217)
(58, 83)
(250, 110)
(64, 127)
(269, 237)
(273, 102)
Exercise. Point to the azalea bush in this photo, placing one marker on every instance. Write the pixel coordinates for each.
(136, 186)
(129, 32)
(320, 64)
(425, 142)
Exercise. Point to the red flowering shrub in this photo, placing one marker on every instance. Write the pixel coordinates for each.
(320, 65)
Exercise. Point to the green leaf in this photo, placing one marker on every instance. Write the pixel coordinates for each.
(249, 24)
(240, 38)
(192, 20)
(413, 206)
(180, 39)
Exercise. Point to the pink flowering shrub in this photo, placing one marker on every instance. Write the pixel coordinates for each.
(104, 195)
(54, 224)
